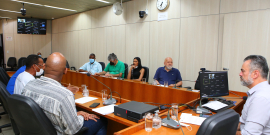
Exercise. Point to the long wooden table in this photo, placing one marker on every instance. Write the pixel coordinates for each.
(139, 129)
(137, 91)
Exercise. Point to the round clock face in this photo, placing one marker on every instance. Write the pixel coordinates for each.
(162, 4)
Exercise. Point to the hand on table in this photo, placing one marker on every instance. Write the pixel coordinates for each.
(73, 89)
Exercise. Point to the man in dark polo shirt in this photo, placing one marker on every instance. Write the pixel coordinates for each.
(168, 73)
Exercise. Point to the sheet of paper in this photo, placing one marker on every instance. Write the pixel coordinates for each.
(105, 110)
(85, 100)
(83, 72)
(192, 119)
(196, 90)
(215, 105)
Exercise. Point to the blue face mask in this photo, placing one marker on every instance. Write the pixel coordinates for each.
(39, 55)
(92, 60)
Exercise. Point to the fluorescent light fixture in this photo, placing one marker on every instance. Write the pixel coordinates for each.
(103, 1)
(10, 11)
(5, 17)
(44, 5)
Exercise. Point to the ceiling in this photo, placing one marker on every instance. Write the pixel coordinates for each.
(42, 12)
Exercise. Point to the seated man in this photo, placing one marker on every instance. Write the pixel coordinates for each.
(255, 119)
(115, 68)
(168, 73)
(93, 66)
(11, 82)
(58, 103)
(34, 67)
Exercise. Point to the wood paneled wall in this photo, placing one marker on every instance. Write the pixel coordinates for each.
(23, 45)
(192, 35)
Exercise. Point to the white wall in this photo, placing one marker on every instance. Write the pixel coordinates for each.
(192, 35)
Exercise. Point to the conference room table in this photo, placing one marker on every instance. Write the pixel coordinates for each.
(130, 90)
(137, 91)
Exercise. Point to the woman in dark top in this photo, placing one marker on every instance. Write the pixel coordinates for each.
(136, 71)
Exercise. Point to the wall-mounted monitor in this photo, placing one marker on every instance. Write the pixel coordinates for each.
(31, 26)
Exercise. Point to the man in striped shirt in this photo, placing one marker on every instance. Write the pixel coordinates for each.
(58, 102)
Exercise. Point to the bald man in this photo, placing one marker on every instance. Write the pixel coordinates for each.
(58, 102)
(168, 73)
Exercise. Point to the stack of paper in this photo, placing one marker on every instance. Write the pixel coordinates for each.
(85, 100)
(215, 105)
(105, 110)
(188, 118)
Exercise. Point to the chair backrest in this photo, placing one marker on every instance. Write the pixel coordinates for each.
(222, 123)
(146, 73)
(4, 77)
(44, 60)
(30, 120)
(102, 65)
(12, 62)
(20, 62)
(67, 65)
(126, 70)
(4, 95)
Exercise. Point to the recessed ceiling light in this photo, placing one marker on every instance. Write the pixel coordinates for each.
(44, 5)
(10, 11)
(103, 1)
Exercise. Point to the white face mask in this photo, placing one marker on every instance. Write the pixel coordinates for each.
(40, 71)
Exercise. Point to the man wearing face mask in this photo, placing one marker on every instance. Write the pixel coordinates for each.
(255, 119)
(92, 66)
(168, 73)
(115, 68)
(34, 67)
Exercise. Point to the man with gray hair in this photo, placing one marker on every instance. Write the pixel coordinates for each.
(92, 66)
(255, 119)
(115, 68)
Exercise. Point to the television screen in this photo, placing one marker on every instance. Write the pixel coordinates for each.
(214, 84)
(31, 26)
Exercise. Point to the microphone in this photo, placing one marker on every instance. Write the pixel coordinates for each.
(170, 123)
(108, 101)
(175, 84)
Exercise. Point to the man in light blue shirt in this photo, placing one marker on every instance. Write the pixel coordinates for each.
(255, 119)
(92, 66)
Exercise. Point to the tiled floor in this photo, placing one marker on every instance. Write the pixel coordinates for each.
(5, 120)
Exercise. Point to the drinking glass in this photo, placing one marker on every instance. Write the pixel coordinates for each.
(144, 80)
(174, 116)
(165, 83)
(104, 95)
(148, 122)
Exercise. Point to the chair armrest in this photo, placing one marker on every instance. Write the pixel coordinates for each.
(83, 129)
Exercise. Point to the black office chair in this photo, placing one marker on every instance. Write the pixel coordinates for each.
(146, 73)
(4, 94)
(24, 62)
(12, 63)
(31, 120)
(44, 60)
(102, 65)
(4, 77)
(222, 123)
(20, 62)
(67, 65)
(126, 70)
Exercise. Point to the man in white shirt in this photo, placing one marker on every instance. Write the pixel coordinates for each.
(255, 119)
(92, 66)
(34, 67)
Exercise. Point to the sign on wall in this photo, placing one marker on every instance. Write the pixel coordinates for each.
(8, 38)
